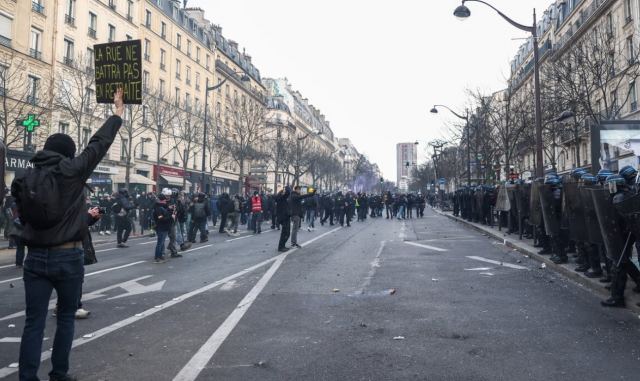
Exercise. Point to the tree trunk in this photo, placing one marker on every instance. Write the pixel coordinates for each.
(127, 176)
(241, 163)
(158, 144)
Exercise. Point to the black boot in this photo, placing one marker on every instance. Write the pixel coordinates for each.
(582, 268)
(611, 302)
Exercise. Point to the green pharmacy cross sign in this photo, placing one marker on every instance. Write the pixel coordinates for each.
(30, 123)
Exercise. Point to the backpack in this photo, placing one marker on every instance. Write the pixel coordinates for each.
(40, 197)
(198, 210)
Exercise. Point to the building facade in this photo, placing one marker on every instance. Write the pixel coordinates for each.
(406, 163)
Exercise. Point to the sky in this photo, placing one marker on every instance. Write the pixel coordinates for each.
(375, 68)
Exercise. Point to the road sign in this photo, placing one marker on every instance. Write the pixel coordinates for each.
(442, 181)
(30, 123)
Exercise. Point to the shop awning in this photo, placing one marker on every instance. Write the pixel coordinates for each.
(134, 178)
(175, 181)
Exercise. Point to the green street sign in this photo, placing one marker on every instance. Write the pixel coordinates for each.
(30, 123)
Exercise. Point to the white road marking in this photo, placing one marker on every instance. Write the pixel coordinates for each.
(248, 236)
(193, 368)
(113, 268)
(9, 280)
(402, 234)
(6, 266)
(479, 269)
(228, 286)
(426, 246)
(481, 259)
(102, 251)
(461, 238)
(197, 248)
(148, 243)
(374, 265)
(10, 340)
(4, 372)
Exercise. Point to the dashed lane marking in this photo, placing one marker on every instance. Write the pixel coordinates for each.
(426, 246)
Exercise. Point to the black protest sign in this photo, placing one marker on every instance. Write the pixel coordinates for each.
(119, 64)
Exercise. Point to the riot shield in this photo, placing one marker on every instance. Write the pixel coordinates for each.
(629, 209)
(523, 191)
(574, 212)
(612, 236)
(590, 218)
(479, 196)
(535, 211)
(550, 210)
(502, 202)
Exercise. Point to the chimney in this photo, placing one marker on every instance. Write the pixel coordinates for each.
(233, 44)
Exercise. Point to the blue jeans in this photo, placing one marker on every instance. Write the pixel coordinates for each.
(44, 271)
(162, 236)
(311, 213)
(256, 222)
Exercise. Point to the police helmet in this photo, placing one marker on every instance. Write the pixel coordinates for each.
(552, 180)
(589, 179)
(577, 173)
(628, 172)
(603, 174)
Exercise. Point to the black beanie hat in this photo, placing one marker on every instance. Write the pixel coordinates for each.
(62, 144)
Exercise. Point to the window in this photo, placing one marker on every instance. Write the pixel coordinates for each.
(627, 10)
(145, 81)
(197, 81)
(112, 4)
(93, 21)
(163, 59)
(633, 96)
(68, 51)
(112, 33)
(188, 75)
(178, 41)
(614, 104)
(197, 54)
(631, 51)
(178, 69)
(187, 102)
(227, 91)
(609, 25)
(218, 108)
(189, 48)
(36, 40)
(612, 64)
(163, 30)
(147, 19)
(196, 104)
(147, 50)
(37, 6)
(207, 62)
(161, 91)
(88, 96)
(177, 97)
(5, 30)
(90, 59)
(129, 10)
(69, 16)
(123, 149)
(63, 128)
(32, 97)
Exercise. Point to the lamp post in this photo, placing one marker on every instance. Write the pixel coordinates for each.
(434, 110)
(462, 12)
(243, 78)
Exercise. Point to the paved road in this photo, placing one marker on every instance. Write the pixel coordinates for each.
(383, 300)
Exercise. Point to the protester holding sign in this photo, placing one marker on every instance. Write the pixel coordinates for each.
(50, 198)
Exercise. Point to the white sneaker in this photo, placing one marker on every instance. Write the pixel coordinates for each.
(309, 229)
(107, 232)
(101, 233)
(81, 313)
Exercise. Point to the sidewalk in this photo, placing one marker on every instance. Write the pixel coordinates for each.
(525, 246)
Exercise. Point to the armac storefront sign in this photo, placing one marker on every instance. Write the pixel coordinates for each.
(18, 161)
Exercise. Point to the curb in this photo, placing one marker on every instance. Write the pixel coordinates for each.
(593, 286)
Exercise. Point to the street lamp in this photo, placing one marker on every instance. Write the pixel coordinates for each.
(244, 78)
(434, 110)
(462, 13)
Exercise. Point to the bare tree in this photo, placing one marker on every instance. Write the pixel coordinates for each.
(246, 129)
(162, 110)
(187, 134)
(134, 124)
(75, 96)
(20, 97)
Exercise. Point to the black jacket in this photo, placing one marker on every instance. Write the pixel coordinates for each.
(162, 217)
(72, 175)
(296, 203)
(283, 211)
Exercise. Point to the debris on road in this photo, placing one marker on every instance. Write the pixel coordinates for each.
(434, 279)
(392, 291)
(13, 365)
(335, 290)
(398, 338)
(11, 285)
(260, 364)
(543, 266)
(87, 336)
(363, 325)
(12, 325)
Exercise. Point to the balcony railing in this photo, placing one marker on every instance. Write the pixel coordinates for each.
(5, 41)
(163, 67)
(37, 7)
(177, 75)
(68, 19)
(112, 5)
(35, 54)
(163, 35)
(91, 32)
(68, 61)
(147, 57)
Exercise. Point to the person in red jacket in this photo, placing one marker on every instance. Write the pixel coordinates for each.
(256, 213)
